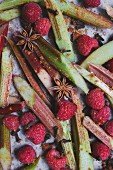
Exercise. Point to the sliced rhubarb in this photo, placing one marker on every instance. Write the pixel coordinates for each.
(6, 75)
(98, 132)
(81, 138)
(57, 60)
(8, 15)
(67, 8)
(60, 30)
(5, 155)
(5, 80)
(102, 73)
(27, 71)
(99, 56)
(37, 105)
(3, 32)
(94, 80)
(68, 147)
(51, 71)
(38, 69)
(12, 108)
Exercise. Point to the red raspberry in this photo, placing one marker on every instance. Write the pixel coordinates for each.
(100, 150)
(12, 122)
(31, 12)
(101, 116)
(54, 160)
(67, 110)
(86, 44)
(36, 133)
(42, 26)
(91, 3)
(109, 65)
(109, 127)
(26, 154)
(95, 99)
(63, 169)
(26, 118)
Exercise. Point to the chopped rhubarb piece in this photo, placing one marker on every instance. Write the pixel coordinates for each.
(37, 105)
(27, 71)
(6, 76)
(51, 71)
(98, 132)
(102, 73)
(3, 32)
(12, 108)
(80, 137)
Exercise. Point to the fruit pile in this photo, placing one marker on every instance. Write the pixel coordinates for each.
(48, 87)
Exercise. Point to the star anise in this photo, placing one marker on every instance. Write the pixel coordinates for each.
(27, 39)
(62, 88)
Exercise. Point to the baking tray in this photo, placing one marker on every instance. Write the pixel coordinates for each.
(14, 25)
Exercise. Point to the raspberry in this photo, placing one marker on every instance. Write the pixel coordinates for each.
(86, 45)
(54, 160)
(67, 110)
(101, 116)
(12, 122)
(42, 26)
(100, 150)
(36, 133)
(26, 118)
(31, 12)
(26, 154)
(109, 65)
(63, 169)
(109, 127)
(95, 99)
(91, 3)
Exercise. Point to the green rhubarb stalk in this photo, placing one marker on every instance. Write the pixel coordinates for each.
(36, 104)
(99, 56)
(68, 9)
(5, 156)
(8, 15)
(27, 72)
(6, 75)
(60, 30)
(94, 80)
(57, 60)
(81, 138)
(5, 79)
(68, 147)
(31, 166)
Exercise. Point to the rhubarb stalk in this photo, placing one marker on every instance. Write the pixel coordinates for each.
(37, 105)
(6, 75)
(12, 108)
(5, 79)
(27, 71)
(94, 80)
(57, 60)
(38, 69)
(68, 147)
(98, 132)
(99, 56)
(81, 138)
(8, 15)
(3, 32)
(68, 9)
(51, 71)
(60, 30)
